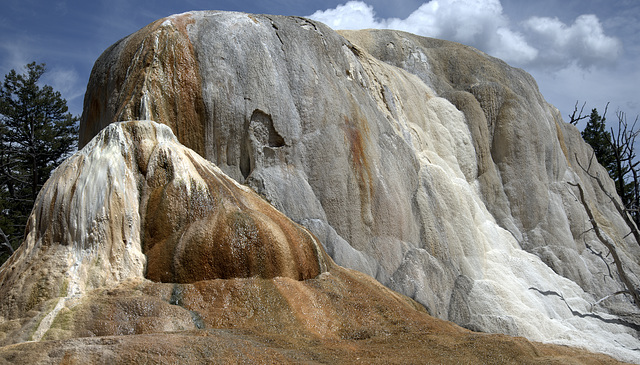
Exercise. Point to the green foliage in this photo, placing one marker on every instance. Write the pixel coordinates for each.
(36, 134)
(599, 138)
(615, 151)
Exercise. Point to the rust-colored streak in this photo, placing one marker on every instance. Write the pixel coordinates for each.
(356, 130)
(563, 145)
(155, 76)
(220, 232)
(344, 317)
(90, 126)
(356, 145)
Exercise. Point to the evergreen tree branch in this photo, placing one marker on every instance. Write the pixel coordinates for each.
(36, 134)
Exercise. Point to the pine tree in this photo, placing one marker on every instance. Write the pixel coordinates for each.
(36, 134)
(615, 151)
(596, 134)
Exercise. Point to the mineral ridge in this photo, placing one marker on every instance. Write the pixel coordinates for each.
(434, 168)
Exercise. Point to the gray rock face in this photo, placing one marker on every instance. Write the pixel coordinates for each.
(438, 170)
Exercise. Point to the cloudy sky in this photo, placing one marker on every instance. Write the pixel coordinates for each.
(586, 50)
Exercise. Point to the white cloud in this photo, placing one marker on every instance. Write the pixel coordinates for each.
(66, 81)
(20, 51)
(583, 42)
(352, 15)
(538, 42)
(513, 47)
(16, 55)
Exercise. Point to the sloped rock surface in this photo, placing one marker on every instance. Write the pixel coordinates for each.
(112, 272)
(433, 167)
(135, 203)
(339, 317)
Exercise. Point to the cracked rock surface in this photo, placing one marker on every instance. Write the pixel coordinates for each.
(434, 168)
(141, 251)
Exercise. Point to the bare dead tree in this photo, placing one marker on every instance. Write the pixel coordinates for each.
(607, 297)
(623, 168)
(630, 288)
(624, 213)
(573, 119)
(623, 143)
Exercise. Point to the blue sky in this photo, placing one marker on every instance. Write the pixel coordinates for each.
(587, 50)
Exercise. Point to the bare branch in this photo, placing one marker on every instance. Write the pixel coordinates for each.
(599, 254)
(622, 211)
(573, 119)
(623, 144)
(5, 244)
(605, 112)
(610, 246)
(607, 297)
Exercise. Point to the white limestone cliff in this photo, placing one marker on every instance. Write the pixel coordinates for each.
(141, 251)
(438, 170)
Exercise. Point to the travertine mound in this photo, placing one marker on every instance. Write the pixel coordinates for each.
(140, 251)
(438, 170)
(135, 203)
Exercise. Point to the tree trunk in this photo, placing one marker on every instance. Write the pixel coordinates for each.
(636, 197)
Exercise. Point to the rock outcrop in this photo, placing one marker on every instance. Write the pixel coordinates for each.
(140, 251)
(436, 169)
(134, 203)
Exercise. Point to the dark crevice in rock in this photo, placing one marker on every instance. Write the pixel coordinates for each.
(259, 138)
(246, 167)
(197, 320)
(275, 30)
(176, 299)
(176, 295)
(263, 122)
